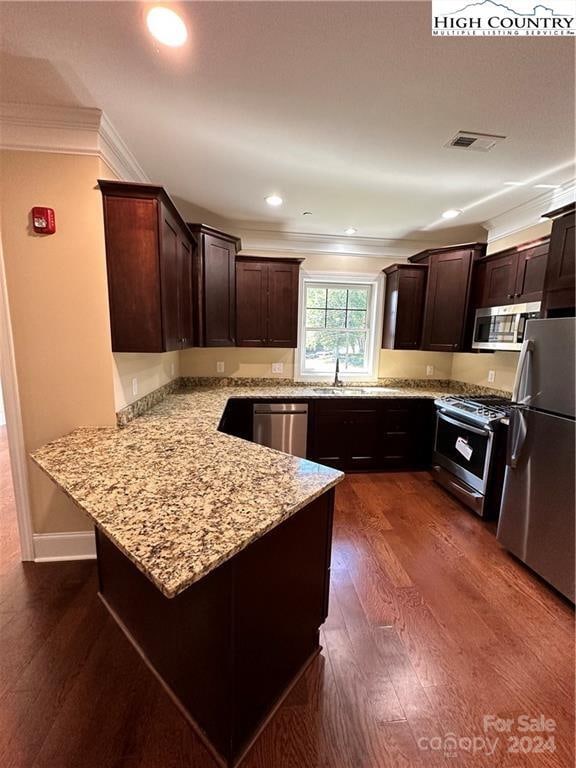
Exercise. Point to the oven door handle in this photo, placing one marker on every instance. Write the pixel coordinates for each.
(477, 431)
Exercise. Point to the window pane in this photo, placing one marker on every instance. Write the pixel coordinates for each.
(316, 297)
(337, 298)
(356, 357)
(358, 298)
(321, 350)
(335, 318)
(315, 318)
(356, 319)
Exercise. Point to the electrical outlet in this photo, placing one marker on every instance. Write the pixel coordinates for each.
(220, 367)
(277, 367)
(429, 370)
(134, 386)
(491, 377)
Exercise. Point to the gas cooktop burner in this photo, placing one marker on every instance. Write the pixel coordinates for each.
(482, 409)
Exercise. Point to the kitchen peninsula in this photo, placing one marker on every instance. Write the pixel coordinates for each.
(213, 552)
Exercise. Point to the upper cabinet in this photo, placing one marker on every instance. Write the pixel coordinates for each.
(214, 280)
(404, 306)
(560, 272)
(149, 265)
(513, 276)
(446, 309)
(266, 302)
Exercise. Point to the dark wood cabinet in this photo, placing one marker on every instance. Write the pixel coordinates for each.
(404, 306)
(149, 266)
(513, 276)
(266, 302)
(346, 433)
(214, 282)
(366, 434)
(446, 310)
(560, 282)
(407, 426)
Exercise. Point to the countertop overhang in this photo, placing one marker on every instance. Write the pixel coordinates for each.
(177, 496)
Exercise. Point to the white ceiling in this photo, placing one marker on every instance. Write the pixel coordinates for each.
(342, 108)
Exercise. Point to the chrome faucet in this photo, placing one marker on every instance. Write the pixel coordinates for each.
(337, 382)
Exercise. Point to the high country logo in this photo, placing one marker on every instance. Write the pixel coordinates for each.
(515, 18)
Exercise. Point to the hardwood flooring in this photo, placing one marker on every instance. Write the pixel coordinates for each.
(431, 627)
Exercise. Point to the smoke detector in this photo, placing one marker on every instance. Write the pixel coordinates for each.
(475, 142)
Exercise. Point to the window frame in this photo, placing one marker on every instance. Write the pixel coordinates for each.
(374, 323)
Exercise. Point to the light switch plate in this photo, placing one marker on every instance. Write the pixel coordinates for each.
(134, 386)
(277, 367)
(220, 367)
(491, 377)
(429, 370)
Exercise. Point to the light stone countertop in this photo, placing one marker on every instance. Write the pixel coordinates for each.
(177, 496)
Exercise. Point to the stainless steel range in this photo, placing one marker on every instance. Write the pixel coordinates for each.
(469, 449)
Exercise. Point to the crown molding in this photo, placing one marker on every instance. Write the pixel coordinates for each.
(529, 213)
(69, 131)
(260, 242)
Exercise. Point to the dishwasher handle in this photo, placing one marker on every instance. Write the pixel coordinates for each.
(280, 408)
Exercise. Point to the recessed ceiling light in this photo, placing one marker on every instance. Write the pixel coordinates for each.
(547, 186)
(166, 26)
(514, 183)
(274, 200)
(350, 231)
(451, 213)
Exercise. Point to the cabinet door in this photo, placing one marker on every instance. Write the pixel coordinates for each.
(447, 301)
(219, 292)
(251, 303)
(132, 251)
(347, 434)
(185, 293)
(407, 426)
(530, 273)
(498, 281)
(404, 308)
(560, 269)
(282, 312)
(170, 282)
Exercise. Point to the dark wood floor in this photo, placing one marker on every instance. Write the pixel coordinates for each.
(431, 627)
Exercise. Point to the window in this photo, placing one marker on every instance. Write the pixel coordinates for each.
(337, 322)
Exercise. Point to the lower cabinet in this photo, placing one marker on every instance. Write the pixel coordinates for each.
(372, 434)
(345, 433)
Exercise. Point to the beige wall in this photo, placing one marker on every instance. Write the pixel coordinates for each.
(474, 368)
(541, 229)
(150, 371)
(59, 309)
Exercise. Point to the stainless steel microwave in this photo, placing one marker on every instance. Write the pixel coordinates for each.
(502, 328)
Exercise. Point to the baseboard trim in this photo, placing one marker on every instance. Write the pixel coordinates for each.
(54, 547)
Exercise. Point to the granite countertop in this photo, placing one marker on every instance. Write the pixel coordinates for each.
(177, 496)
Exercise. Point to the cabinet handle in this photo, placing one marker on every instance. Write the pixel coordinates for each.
(510, 296)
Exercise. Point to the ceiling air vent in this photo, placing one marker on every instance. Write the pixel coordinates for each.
(476, 142)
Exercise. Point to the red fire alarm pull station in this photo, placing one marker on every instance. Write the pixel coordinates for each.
(43, 220)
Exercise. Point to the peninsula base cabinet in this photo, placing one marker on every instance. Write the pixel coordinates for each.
(229, 647)
(149, 266)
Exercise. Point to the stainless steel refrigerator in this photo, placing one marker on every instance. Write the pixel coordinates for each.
(538, 509)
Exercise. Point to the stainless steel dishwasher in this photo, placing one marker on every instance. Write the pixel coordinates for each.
(282, 426)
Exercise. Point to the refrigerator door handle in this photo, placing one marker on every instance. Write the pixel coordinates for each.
(527, 348)
(516, 438)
